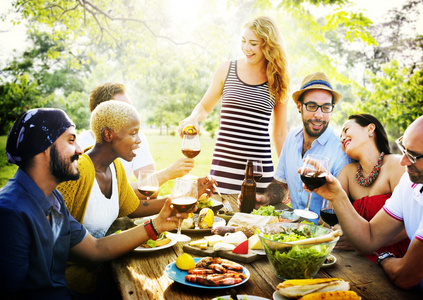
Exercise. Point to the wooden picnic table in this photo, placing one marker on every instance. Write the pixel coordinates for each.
(142, 275)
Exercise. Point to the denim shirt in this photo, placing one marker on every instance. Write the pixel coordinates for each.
(34, 253)
(327, 144)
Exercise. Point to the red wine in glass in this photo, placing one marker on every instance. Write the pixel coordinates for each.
(147, 191)
(329, 216)
(184, 204)
(257, 177)
(190, 153)
(314, 180)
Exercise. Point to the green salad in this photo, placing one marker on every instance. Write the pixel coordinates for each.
(266, 211)
(297, 261)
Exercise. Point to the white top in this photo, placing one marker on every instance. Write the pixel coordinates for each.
(101, 212)
(143, 158)
(406, 205)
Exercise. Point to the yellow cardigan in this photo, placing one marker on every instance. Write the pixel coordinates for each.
(76, 194)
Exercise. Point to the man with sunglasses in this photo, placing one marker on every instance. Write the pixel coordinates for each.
(403, 210)
(315, 102)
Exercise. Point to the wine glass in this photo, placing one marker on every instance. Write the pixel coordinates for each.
(313, 174)
(184, 197)
(327, 213)
(147, 183)
(257, 170)
(191, 146)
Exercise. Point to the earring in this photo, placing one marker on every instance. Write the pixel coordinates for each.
(370, 134)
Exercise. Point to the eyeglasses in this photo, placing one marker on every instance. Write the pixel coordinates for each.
(410, 157)
(325, 108)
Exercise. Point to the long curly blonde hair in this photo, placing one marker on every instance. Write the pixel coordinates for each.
(274, 50)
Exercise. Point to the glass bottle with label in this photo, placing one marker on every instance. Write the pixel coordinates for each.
(248, 190)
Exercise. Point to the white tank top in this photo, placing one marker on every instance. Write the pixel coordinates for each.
(101, 212)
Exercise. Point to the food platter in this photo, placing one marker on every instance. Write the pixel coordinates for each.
(217, 222)
(142, 249)
(178, 275)
(241, 297)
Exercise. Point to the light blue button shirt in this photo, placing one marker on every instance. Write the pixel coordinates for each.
(328, 144)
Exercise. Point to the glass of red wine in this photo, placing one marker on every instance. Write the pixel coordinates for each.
(257, 169)
(327, 213)
(184, 197)
(313, 174)
(147, 183)
(190, 147)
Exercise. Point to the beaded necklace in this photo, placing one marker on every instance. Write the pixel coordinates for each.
(372, 176)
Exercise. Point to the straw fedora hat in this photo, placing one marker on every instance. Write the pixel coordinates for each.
(316, 81)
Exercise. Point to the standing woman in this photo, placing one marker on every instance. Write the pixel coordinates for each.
(251, 89)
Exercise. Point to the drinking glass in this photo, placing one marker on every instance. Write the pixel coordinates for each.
(257, 170)
(313, 174)
(191, 146)
(184, 197)
(327, 213)
(147, 183)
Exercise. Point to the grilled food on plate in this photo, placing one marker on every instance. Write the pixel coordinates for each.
(297, 288)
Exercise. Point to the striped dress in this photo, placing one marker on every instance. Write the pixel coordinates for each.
(243, 133)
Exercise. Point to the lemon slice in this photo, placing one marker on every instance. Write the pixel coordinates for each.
(185, 262)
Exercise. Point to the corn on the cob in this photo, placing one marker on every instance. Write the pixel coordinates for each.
(344, 295)
(293, 282)
(300, 287)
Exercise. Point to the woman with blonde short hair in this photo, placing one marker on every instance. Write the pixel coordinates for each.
(252, 89)
(102, 192)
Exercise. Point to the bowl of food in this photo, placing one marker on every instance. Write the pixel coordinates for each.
(297, 250)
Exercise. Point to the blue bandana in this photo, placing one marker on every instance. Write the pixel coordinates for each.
(34, 131)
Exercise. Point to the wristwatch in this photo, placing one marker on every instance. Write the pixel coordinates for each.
(383, 256)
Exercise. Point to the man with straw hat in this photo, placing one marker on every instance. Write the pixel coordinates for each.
(315, 101)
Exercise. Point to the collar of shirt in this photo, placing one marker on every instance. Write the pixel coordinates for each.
(322, 139)
(32, 189)
(417, 190)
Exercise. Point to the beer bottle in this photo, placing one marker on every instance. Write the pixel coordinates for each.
(248, 190)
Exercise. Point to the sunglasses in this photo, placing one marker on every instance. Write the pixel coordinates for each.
(404, 151)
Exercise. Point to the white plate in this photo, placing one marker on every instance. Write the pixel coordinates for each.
(142, 249)
(329, 264)
(278, 296)
(241, 297)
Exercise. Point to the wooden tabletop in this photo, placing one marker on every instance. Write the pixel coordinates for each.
(142, 275)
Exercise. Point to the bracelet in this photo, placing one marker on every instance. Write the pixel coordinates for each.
(150, 231)
(154, 227)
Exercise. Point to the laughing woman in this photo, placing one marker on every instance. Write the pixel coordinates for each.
(370, 181)
(252, 89)
(102, 192)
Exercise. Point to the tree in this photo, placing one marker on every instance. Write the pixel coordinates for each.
(37, 80)
(397, 98)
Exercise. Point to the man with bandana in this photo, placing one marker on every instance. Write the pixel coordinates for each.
(403, 210)
(37, 233)
(315, 102)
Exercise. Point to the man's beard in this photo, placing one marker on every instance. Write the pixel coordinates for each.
(61, 168)
(312, 133)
